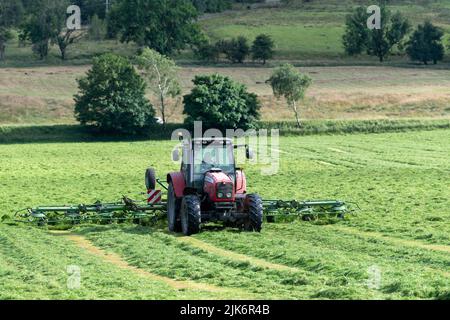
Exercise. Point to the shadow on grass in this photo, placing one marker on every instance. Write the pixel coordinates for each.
(78, 133)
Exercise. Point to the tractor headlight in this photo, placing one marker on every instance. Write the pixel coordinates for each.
(224, 190)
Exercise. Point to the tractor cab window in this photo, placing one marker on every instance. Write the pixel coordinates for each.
(213, 154)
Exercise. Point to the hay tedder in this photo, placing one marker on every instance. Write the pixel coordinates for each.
(208, 188)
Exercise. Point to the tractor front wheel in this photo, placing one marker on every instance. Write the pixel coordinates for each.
(191, 215)
(255, 213)
(173, 210)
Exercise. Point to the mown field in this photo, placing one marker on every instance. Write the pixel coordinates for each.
(400, 181)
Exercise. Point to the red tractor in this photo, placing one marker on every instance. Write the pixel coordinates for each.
(209, 188)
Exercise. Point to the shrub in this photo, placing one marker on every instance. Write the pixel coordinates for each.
(262, 48)
(221, 103)
(426, 44)
(236, 50)
(207, 52)
(112, 97)
(97, 29)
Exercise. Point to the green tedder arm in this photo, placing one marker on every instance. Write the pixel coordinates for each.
(128, 209)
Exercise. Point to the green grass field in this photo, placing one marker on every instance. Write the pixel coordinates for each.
(400, 180)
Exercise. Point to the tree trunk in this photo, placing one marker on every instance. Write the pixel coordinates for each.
(294, 106)
(381, 58)
(62, 49)
(2, 50)
(163, 109)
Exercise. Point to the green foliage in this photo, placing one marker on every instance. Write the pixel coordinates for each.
(91, 8)
(11, 12)
(211, 6)
(112, 97)
(426, 44)
(356, 32)
(236, 50)
(208, 52)
(221, 103)
(262, 48)
(377, 42)
(161, 74)
(163, 25)
(45, 23)
(97, 28)
(287, 82)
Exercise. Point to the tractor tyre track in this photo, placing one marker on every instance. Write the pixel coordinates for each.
(118, 261)
(234, 255)
(398, 241)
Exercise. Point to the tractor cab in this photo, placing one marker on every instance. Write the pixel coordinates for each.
(201, 156)
(209, 187)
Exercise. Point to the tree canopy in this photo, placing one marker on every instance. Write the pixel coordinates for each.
(426, 43)
(289, 83)
(163, 25)
(112, 97)
(221, 103)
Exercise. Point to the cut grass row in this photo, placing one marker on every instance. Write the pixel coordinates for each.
(34, 265)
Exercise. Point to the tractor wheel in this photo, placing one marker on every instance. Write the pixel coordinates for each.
(255, 213)
(150, 179)
(191, 215)
(173, 210)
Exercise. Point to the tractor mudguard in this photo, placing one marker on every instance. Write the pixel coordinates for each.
(241, 182)
(177, 179)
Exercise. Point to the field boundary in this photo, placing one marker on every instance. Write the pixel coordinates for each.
(118, 261)
(13, 134)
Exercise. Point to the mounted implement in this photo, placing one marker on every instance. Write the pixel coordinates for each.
(207, 188)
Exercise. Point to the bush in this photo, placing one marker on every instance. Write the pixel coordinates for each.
(236, 50)
(97, 29)
(112, 97)
(207, 52)
(262, 48)
(426, 44)
(221, 103)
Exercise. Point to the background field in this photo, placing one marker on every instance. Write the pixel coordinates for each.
(399, 180)
(45, 94)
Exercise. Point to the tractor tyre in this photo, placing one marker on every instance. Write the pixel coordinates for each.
(173, 210)
(191, 215)
(150, 179)
(255, 213)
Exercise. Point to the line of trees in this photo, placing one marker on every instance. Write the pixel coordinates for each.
(112, 97)
(164, 25)
(237, 50)
(424, 45)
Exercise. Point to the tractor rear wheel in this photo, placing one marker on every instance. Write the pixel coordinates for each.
(150, 179)
(191, 215)
(173, 210)
(255, 213)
